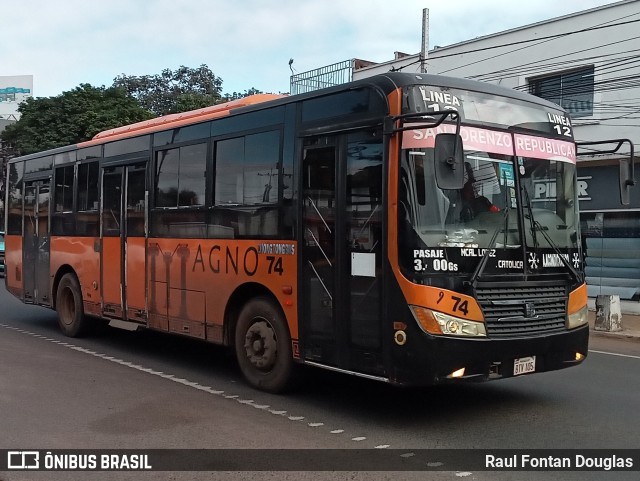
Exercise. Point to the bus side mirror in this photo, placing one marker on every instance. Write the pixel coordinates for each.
(626, 180)
(627, 164)
(449, 161)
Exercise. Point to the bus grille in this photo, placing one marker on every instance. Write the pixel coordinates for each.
(523, 311)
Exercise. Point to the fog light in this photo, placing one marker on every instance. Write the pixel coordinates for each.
(579, 356)
(458, 373)
(400, 337)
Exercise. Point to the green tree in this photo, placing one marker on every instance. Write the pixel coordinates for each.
(238, 95)
(173, 91)
(72, 117)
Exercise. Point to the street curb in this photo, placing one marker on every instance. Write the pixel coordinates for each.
(614, 335)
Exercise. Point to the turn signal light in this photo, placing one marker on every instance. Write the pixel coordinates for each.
(426, 320)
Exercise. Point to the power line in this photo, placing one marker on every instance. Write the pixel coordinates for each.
(620, 61)
(520, 42)
(525, 67)
(530, 69)
(608, 84)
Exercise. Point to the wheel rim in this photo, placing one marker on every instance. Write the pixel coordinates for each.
(67, 307)
(260, 344)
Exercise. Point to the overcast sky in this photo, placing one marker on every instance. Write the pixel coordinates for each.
(247, 43)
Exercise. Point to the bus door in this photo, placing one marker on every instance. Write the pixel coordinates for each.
(342, 251)
(319, 249)
(36, 242)
(123, 242)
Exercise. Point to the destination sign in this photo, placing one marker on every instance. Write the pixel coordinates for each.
(465, 260)
(495, 142)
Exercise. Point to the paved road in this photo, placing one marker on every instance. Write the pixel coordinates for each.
(131, 390)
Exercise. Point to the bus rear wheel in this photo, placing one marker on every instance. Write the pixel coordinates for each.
(263, 346)
(69, 306)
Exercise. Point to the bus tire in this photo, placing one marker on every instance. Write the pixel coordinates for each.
(71, 318)
(263, 346)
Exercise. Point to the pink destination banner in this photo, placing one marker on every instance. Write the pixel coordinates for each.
(472, 139)
(494, 142)
(547, 149)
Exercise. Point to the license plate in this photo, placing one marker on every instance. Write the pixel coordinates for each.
(524, 365)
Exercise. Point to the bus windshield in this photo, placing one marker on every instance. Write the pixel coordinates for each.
(518, 201)
(466, 217)
(550, 203)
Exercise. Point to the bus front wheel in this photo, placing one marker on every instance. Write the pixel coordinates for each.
(71, 317)
(263, 346)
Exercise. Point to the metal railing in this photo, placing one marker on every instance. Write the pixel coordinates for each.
(328, 76)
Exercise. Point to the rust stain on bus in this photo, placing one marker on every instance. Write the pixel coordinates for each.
(13, 264)
(192, 279)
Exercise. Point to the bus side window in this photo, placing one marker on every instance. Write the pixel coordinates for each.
(87, 217)
(63, 222)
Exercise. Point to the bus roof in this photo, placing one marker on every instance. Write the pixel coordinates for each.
(176, 120)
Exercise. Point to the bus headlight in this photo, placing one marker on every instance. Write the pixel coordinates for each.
(434, 322)
(578, 318)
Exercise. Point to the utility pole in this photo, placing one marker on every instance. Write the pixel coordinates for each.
(424, 50)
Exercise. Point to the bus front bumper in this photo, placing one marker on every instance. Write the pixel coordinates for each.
(440, 359)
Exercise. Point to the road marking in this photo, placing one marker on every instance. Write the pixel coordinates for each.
(184, 382)
(615, 354)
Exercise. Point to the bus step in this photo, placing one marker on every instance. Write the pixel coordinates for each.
(127, 326)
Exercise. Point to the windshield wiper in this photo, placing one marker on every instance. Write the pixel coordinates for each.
(535, 225)
(531, 219)
(485, 257)
(555, 248)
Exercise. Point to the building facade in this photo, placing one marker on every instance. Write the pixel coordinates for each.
(13, 90)
(588, 62)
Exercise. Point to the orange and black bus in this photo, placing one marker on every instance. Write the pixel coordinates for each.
(415, 229)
